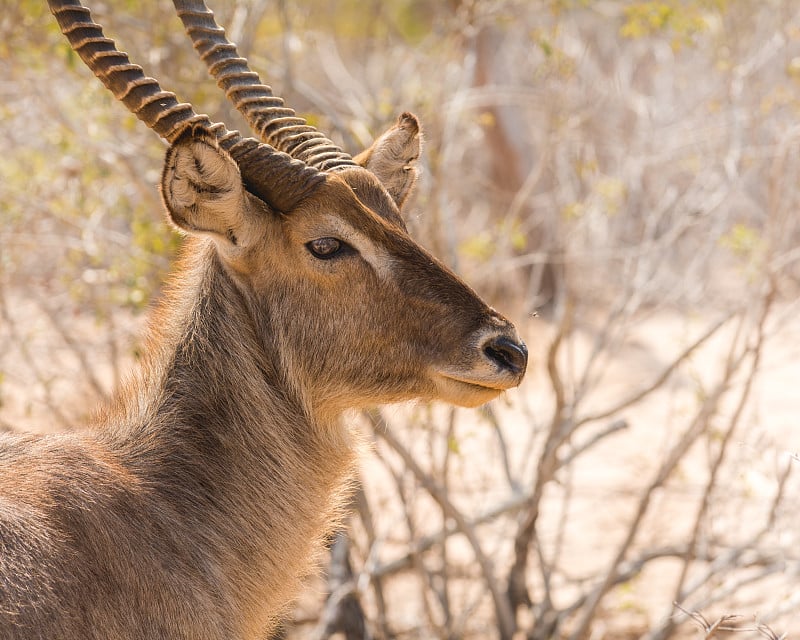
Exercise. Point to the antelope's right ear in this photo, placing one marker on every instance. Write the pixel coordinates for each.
(202, 189)
(393, 157)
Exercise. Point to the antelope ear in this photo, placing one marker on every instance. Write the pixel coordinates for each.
(202, 189)
(392, 158)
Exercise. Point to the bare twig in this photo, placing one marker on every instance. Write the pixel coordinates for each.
(517, 589)
(420, 545)
(42, 380)
(660, 379)
(708, 408)
(342, 611)
(505, 621)
(75, 346)
(710, 629)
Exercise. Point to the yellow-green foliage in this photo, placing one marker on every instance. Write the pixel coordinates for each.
(75, 191)
(679, 19)
(745, 242)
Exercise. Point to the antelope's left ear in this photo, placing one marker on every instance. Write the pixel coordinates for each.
(392, 158)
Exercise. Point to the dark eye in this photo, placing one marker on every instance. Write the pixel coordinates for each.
(325, 248)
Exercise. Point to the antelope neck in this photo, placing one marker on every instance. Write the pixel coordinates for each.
(229, 453)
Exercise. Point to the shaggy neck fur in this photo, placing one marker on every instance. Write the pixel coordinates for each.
(228, 452)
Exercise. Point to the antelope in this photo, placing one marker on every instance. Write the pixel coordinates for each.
(195, 502)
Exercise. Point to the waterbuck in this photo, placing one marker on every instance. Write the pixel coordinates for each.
(194, 502)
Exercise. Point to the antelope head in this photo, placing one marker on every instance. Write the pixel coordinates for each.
(359, 313)
(353, 308)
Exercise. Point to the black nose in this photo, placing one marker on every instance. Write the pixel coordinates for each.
(507, 354)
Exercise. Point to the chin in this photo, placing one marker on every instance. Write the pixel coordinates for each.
(464, 394)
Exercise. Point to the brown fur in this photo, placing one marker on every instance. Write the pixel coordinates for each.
(196, 501)
(393, 156)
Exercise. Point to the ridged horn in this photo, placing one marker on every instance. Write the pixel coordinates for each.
(275, 123)
(158, 109)
(275, 177)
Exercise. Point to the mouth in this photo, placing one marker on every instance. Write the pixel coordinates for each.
(467, 392)
(470, 381)
(486, 385)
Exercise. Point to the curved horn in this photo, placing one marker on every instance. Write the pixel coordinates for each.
(274, 177)
(158, 109)
(265, 112)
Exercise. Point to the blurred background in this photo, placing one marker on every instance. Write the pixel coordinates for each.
(619, 177)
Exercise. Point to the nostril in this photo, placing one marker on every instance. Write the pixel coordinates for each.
(507, 354)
